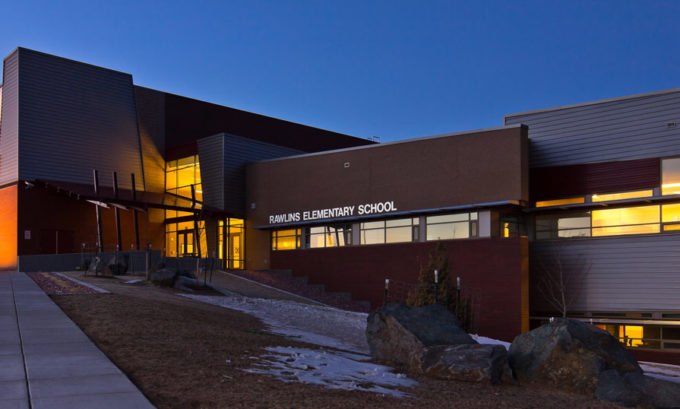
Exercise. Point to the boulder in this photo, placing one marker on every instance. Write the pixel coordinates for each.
(164, 277)
(633, 389)
(399, 334)
(467, 362)
(568, 353)
(118, 265)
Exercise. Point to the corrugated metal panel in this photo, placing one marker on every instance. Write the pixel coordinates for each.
(608, 177)
(150, 106)
(9, 146)
(624, 129)
(630, 273)
(223, 160)
(211, 159)
(74, 118)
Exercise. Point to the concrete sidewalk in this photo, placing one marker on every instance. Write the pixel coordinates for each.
(46, 361)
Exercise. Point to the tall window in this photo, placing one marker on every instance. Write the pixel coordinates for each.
(670, 176)
(180, 175)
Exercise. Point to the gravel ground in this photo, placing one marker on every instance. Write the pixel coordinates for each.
(54, 284)
(186, 354)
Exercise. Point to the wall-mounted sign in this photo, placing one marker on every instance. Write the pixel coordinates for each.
(334, 212)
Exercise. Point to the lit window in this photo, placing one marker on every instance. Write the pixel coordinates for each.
(621, 196)
(628, 220)
(670, 176)
(560, 202)
(286, 239)
(574, 224)
(390, 231)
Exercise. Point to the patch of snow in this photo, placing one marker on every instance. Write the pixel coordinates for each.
(83, 283)
(666, 372)
(138, 280)
(315, 324)
(335, 370)
(484, 340)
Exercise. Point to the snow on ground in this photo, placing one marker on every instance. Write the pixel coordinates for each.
(484, 340)
(315, 324)
(320, 325)
(661, 371)
(335, 370)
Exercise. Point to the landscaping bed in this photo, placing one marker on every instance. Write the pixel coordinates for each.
(185, 354)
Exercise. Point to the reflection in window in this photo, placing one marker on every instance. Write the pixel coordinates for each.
(286, 239)
(337, 235)
(621, 196)
(452, 226)
(627, 220)
(390, 231)
(560, 202)
(670, 176)
(563, 225)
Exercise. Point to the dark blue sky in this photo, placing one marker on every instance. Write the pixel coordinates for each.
(396, 69)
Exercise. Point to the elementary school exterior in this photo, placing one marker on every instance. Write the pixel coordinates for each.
(91, 162)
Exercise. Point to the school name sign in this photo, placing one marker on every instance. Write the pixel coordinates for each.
(334, 212)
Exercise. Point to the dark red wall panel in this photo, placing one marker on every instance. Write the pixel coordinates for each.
(188, 120)
(609, 177)
(491, 271)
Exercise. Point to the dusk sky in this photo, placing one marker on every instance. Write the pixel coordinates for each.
(396, 69)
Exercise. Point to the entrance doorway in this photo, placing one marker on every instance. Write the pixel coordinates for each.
(185, 243)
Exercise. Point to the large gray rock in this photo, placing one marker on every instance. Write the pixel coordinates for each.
(164, 277)
(633, 389)
(568, 353)
(469, 362)
(398, 334)
(118, 265)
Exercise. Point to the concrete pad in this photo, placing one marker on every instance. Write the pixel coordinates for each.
(64, 349)
(45, 366)
(46, 323)
(13, 390)
(81, 385)
(14, 403)
(8, 322)
(12, 368)
(127, 400)
(51, 335)
(9, 337)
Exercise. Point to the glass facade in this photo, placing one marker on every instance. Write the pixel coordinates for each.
(390, 231)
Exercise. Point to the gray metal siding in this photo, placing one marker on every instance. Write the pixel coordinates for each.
(632, 273)
(9, 127)
(76, 117)
(223, 160)
(623, 129)
(211, 159)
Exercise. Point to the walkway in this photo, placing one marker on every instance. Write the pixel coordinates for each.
(46, 361)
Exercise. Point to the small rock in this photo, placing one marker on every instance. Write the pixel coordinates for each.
(164, 277)
(470, 362)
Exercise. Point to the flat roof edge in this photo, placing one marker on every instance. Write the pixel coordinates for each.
(596, 102)
(391, 214)
(409, 140)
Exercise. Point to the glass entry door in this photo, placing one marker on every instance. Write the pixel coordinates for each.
(185, 243)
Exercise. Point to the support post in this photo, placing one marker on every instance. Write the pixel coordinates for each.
(134, 212)
(117, 213)
(100, 240)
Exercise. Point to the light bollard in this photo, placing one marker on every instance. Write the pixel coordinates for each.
(387, 290)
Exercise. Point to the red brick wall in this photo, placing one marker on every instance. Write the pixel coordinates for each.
(492, 271)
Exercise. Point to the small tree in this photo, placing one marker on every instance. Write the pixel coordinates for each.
(558, 279)
(424, 292)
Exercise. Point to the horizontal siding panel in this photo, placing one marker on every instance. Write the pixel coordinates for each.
(75, 118)
(211, 159)
(626, 129)
(9, 128)
(631, 273)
